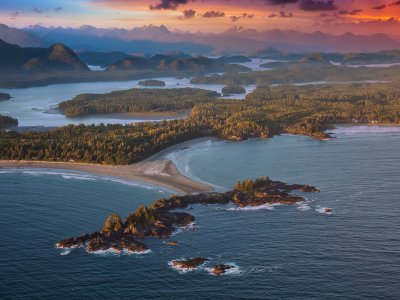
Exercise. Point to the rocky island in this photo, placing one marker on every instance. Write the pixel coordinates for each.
(151, 82)
(160, 221)
(4, 96)
(189, 264)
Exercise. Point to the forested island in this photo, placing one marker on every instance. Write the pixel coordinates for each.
(137, 100)
(160, 220)
(6, 121)
(292, 73)
(233, 89)
(268, 111)
(4, 96)
(151, 82)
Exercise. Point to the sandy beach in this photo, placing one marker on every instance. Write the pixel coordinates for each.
(155, 170)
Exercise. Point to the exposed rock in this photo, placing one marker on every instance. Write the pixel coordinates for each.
(220, 269)
(190, 263)
(157, 219)
(172, 243)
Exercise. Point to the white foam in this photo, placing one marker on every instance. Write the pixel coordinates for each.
(184, 270)
(252, 208)
(128, 252)
(66, 252)
(190, 226)
(78, 177)
(303, 206)
(322, 210)
(235, 270)
(112, 251)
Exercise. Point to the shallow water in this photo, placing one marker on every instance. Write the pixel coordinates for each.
(281, 252)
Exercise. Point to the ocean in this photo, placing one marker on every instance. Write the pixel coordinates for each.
(280, 252)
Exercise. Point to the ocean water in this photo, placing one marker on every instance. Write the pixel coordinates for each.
(281, 252)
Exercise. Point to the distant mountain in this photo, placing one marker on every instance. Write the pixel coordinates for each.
(102, 59)
(109, 40)
(237, 40)
(19, 37)
(56, 57)
(175, 63)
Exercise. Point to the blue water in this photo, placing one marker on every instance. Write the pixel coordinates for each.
(282, 252)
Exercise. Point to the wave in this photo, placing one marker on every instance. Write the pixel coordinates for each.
(184, 270)
(112, 251)
(252, 208)
(190, 226)
(235, 270)
(324, 210)
(303, 206)
(362, 129)
(79, 176)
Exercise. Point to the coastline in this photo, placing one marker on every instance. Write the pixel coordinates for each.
(156, 170)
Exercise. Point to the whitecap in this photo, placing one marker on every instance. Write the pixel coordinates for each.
(184, 270)
(303, 206)
(66, 252)
(322, 210)
(235, 270)
(266, 206)
(128, 252)
(72, 176)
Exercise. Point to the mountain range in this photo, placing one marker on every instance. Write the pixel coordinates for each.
(159, 39)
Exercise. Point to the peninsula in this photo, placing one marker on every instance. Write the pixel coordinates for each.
(160, 219)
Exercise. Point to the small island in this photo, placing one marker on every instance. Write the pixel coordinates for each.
(152, 82)
(159, 220)
(189, 264)
(4, 96)
(233, 89)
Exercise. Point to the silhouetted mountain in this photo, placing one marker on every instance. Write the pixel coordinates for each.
(19, 37)
(102, 59)
(237, 40)
(174, 63)
(56, 57)
(108, 40)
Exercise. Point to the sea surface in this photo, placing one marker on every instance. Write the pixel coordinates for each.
(281, 252)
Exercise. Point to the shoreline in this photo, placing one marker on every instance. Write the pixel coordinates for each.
(156, 170)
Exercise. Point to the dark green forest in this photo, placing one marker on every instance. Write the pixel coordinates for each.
(306, 110)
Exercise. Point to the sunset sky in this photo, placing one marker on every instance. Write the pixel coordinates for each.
(358, 16)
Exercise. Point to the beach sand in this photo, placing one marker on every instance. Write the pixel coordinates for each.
(155, 170)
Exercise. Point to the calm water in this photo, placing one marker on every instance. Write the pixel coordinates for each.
(282, 252)
(36, 106)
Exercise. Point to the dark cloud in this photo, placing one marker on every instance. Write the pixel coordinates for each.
(37, 10)
(311, 5)
(168, 4)
(317, 5)
(243, 16)
(281, 2)
(395, 3)
(189, 13)
(349, 12)
(379, 7)
(214, 14)
(281, 14)
(58, 8)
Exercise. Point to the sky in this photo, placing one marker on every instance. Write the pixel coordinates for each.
(332, 16)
